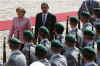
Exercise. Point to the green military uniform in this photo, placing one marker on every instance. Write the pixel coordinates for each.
(57, 59)
(97, 26)
(29, 47)
(98, 53)
(59, 29)
(71, 52)
(16, 58)
(88, 53)
(97, 14)
(75, 30)
(41, 53)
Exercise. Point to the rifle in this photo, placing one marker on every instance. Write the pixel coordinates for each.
(77, 44)
(79, 59)
(32, 30)
(79, 26)
(29, 56)
(4, 50)
(93, 40)
(67, 25)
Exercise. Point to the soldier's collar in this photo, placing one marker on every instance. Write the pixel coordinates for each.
(89, 63)
(59, 36)
(44, 40)
(55, 55)
(28, 44)
(74, 28)
(89, 44)
(15, 51)
(70, 47)
(44, 60)
(97, 34)
(87, 23)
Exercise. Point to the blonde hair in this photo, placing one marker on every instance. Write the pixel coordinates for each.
(21, 10)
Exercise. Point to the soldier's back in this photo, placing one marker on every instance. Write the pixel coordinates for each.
(17, 59)
(71, 55)
(29, 51)
(45, 62)
(58, 60)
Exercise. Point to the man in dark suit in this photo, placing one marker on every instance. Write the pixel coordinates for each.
(45, 18)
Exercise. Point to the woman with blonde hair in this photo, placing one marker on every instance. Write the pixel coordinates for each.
(19, 24)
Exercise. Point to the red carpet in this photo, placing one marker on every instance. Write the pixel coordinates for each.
(61, 17)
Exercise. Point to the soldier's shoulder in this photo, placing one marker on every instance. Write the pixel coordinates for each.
(93, 64)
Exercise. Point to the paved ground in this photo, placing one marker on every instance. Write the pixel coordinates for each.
(7, 11)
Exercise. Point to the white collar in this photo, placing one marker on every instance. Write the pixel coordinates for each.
(87, 64)
(43, 40)
(45, 14)
(59, 35)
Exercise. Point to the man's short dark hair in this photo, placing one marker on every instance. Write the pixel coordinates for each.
(44, 4)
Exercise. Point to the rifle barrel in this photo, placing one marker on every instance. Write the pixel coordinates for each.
(4, 50)
(67, 25)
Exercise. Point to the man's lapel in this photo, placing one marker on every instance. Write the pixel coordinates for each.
(47, 18)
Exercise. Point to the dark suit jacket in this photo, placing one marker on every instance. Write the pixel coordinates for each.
(50, 21)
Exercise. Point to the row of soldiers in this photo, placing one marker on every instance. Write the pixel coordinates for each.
(80, 46)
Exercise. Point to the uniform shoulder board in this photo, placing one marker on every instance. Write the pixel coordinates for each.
(9, 64)
(70, 58)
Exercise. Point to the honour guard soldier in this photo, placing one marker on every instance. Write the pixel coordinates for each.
(41, 53)
(58, 30)
(96, 14)
(16, 58)
(84, 17)
(57, 59)
(74, 23)
(44, 38)
(89, 56)
(43, 34)
(97, 26)
(89, 38)
(98, 53)
(29, 47)
(71, 51)
(88, 5)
